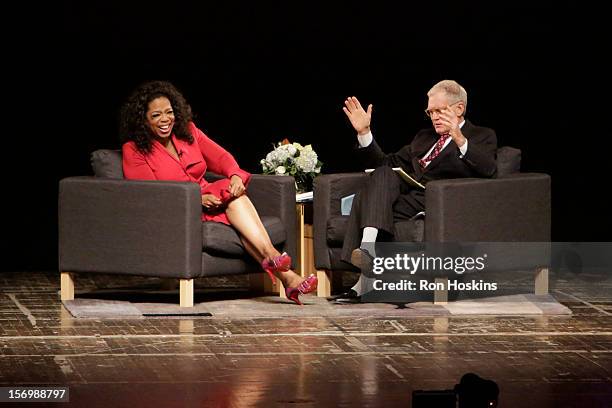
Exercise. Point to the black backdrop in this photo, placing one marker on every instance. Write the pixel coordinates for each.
(255, 74)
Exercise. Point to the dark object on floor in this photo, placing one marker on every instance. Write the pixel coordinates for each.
(347, 293)
(475, 392)
(349, 297)
(471, 392)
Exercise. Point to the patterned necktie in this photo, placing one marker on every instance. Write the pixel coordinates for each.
(436, 150)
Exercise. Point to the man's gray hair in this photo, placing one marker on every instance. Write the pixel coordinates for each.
(454, 91)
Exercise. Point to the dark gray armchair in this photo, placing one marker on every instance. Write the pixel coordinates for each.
(514, 207)
(153, 228)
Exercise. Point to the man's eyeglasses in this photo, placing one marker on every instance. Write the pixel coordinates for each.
(431, 112)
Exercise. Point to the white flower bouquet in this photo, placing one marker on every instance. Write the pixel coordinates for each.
(293, 159)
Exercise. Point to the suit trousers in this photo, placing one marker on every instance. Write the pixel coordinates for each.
(383, 200)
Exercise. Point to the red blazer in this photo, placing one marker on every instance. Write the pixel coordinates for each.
(194, 160)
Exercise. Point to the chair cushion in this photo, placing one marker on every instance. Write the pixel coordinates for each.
(107, 163)
(222, 240)
(410, 230)
(405, 231)
(508, 161)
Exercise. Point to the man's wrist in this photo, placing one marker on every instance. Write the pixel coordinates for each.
(458, 137)
(364, 131)
(365, 140)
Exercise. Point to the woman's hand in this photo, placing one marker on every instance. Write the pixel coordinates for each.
(236, 187)
(211, 201)
(360, 119)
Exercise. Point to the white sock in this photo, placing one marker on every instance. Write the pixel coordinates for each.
(368, 240)
(363, 285)
(369, 235)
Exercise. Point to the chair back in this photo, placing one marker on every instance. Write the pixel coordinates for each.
(508, 161)
(107, 163)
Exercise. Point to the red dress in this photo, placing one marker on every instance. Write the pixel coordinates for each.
(194, 160)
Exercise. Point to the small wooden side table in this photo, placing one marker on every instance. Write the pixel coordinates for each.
(305, 248)
(305, 244)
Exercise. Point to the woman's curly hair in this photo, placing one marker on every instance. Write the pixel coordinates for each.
(133, 118)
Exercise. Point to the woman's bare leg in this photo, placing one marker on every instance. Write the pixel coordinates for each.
(252, 250)
(243, 216)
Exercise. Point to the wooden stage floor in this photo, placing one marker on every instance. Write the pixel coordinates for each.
(543, 361)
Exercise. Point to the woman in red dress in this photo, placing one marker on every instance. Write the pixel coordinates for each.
(162, 143)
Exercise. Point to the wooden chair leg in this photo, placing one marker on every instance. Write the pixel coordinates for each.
(186, 293)
(66, 286)
(441, 295)
(541, 281)
(324, 287)
(281, 289)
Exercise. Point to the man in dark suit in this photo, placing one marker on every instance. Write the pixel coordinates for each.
(453, 148)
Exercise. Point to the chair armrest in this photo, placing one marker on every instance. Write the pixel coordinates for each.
(275, 195)
(328, 190)
(510, 209)
(148, 228)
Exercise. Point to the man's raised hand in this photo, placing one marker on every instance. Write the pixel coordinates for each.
(360, 119)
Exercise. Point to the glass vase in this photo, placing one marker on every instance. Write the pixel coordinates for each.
(303, 184)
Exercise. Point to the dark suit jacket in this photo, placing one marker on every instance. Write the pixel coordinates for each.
(479, 161)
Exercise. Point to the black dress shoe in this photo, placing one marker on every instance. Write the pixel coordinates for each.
(362, 259)
(348, 297)
(348, 293)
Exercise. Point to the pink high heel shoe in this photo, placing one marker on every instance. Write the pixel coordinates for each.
(280, 263)
(307, 286)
